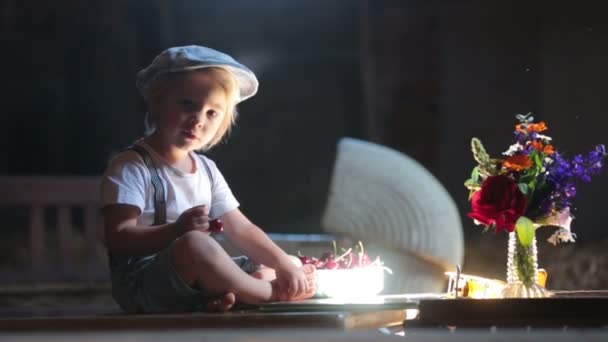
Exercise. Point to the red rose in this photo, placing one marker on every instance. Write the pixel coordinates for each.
(500, 202)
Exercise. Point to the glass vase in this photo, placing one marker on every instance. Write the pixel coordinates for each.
(522, 271)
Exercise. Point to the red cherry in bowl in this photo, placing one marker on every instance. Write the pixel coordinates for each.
(308, 260)
(216, 226)
(332, 265)
(327, 256)
(304, 259)
(365, 260)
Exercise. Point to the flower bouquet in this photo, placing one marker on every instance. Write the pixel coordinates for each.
(532, 186)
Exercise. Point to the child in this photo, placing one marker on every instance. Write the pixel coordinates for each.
(159, 196)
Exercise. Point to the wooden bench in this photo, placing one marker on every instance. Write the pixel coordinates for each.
(39, 194)
(67, 194)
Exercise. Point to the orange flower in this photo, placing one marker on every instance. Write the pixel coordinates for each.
(537, 127)
(533, 127)
(537, 145)
(548, 149)
(518, 162)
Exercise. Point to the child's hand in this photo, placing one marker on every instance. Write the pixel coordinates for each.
(195, 218)
(296, 282)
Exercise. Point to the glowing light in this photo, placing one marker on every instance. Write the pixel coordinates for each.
(411, 313)
(350, 283)
(471, 286)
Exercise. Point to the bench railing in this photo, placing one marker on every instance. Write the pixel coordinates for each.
(39, 193)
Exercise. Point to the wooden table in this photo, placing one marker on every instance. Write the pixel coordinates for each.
(318, 314)
(342, 320)
(564, 309)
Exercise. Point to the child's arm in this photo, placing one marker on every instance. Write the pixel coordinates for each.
(125, 237)
(254, 242)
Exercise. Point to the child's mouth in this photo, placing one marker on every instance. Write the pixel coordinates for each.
(189, 135)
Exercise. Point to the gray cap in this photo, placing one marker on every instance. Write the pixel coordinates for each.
(182, 58)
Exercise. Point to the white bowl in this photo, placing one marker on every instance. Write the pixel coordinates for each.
(350, 282)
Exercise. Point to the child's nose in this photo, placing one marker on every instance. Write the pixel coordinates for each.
(199, 118)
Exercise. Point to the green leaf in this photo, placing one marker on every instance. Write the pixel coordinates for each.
(525, 230)
(475, 174)
(490, 227)
(469, 183)
(532, 185)
(479, 152)
(523, 187)
(538, 160)
(528, 118)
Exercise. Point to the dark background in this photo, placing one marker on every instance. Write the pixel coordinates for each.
(420, 76)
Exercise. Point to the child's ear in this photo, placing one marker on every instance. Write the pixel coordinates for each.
(149, 125)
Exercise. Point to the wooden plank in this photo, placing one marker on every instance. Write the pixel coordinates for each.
(232, 320)
(90, 231)
(64, 229)
(28, 190)
(37, 236)
(537, 312)
(373, 320)
(306, 335)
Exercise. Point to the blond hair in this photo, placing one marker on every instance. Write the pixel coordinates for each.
(224, 79)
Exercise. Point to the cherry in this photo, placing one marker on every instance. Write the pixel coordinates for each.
(346, 262)
(216, 226)
(365, 260)
(354, 258)
(351, 259)
(304, 259)
(331, 264)
(308, 260)
(327, 256)
(360, 260)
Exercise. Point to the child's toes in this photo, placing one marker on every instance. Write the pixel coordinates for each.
(309, 269)
(222, 303)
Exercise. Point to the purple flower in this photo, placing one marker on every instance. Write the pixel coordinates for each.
(570, 190)
(563, 174)
(521, 138)
(591, 165)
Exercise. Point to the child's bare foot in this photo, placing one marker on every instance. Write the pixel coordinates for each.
(311, 276)
(222, 303)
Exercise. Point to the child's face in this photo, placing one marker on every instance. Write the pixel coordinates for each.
(190, 111)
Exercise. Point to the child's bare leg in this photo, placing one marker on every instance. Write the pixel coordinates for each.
(200, 261)
(264, 273)
(267, 273)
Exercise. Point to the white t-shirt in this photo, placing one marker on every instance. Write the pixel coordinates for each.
(127, 180)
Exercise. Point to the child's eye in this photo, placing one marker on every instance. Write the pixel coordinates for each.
(212, 113)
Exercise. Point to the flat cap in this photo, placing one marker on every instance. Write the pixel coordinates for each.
(192, 57)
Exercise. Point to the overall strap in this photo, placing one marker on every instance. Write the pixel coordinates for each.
(209, 174)
(160, 207)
